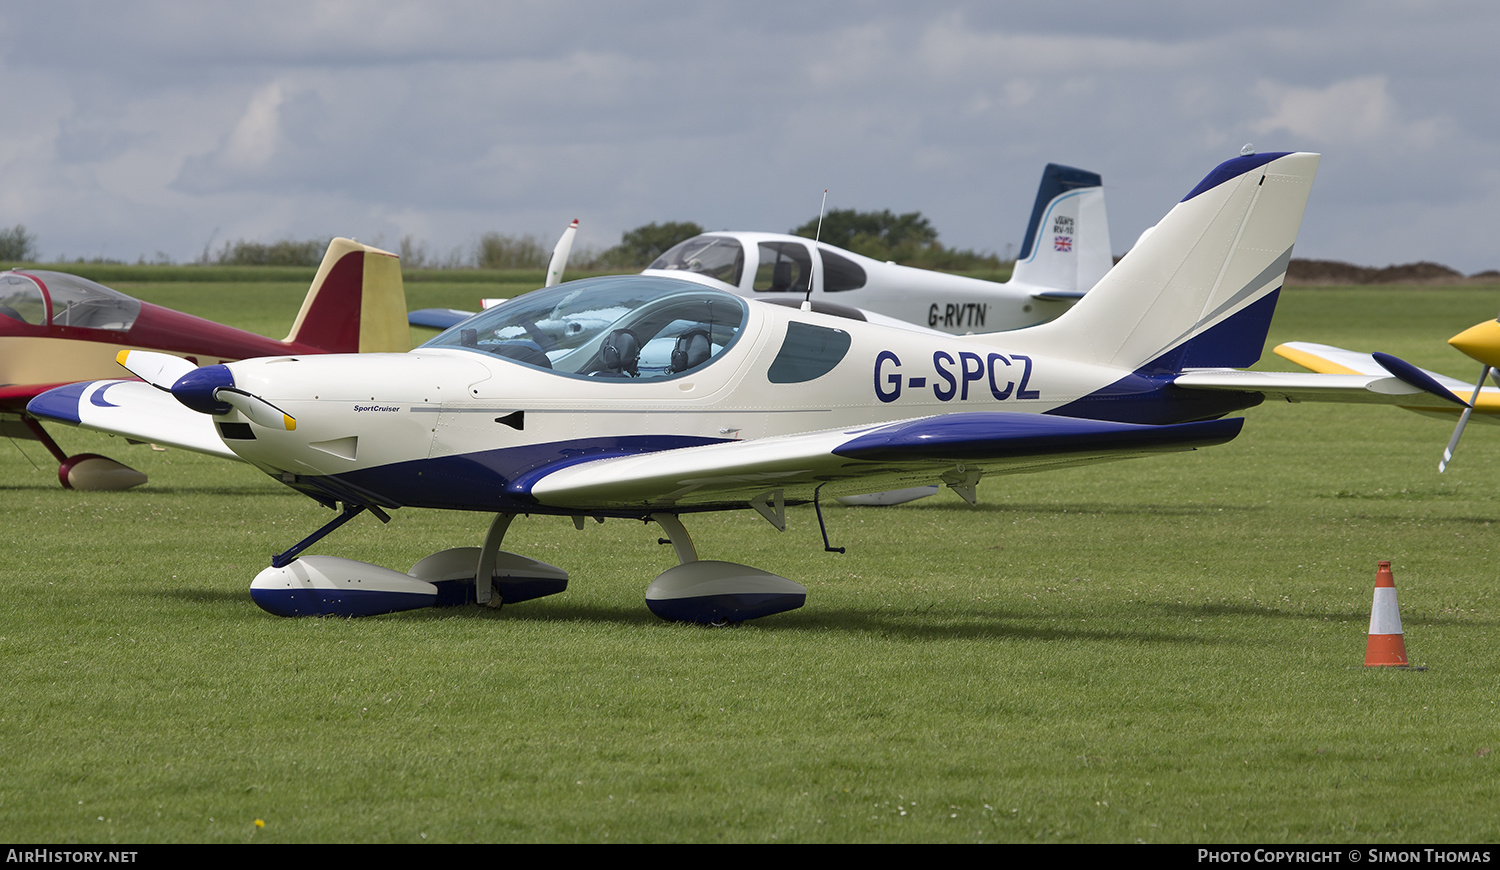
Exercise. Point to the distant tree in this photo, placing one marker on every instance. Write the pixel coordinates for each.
(413, 253)
(17, 245)
(880, 231)
(909, 239)
(638, 247)
(282, 253)
(495, 251)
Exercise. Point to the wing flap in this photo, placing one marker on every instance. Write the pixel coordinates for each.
(953, 448)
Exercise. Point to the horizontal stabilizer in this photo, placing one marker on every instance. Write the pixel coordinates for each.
(1057, 295)
(438, 318)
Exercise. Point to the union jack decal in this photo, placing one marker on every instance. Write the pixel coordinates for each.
(1062, 243)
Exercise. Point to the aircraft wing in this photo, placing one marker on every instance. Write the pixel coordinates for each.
(1336, 360)
(133, 409)
(952, 448)
(13, 397)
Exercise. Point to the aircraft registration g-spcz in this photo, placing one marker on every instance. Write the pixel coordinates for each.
(653, 398)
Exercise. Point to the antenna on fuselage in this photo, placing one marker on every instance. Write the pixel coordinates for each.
(817, 236)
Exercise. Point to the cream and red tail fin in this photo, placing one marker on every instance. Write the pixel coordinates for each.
(356, 303)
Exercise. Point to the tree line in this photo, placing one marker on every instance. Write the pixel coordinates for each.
(908, 238)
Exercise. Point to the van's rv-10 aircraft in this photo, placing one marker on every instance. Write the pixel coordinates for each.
(57, 328)
(1065, 252)
(652, 398)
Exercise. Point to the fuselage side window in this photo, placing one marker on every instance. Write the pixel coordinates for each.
(809, 352)
(840, 273)
(785, 267)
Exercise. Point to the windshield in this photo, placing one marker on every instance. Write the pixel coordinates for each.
(75, 301)
(623, 326)
(714, 256)
(21, 299)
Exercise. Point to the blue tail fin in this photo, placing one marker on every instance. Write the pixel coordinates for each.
(1067, 246)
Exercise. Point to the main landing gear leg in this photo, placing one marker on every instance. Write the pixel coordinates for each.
(495, 576)
(84, 471)
(483, 587)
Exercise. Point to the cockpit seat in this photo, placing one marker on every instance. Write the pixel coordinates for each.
(693, 348)
(620, 355)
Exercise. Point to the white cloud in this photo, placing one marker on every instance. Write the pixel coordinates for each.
(1357, 110)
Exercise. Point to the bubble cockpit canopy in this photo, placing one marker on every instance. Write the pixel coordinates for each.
(622, 326)
(40, 297)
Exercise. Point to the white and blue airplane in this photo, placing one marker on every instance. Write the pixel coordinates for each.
(648, 397)
(1065, 252)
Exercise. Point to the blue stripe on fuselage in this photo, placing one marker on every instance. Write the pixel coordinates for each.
(488, 480)
(1147, 395)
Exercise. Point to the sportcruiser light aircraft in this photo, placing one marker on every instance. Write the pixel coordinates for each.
(650, 398)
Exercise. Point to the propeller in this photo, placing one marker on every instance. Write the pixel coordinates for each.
(160, 370)
(1463, 420)
(559, 260)
(1481, 342)
(206, 389)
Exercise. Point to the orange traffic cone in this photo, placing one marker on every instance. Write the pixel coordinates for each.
(1387, 647)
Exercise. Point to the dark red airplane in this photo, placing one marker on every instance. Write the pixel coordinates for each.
(57, 328)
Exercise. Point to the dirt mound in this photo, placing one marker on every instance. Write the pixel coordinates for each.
(1335, 272)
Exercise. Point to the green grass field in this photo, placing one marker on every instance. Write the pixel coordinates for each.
(1161, 650)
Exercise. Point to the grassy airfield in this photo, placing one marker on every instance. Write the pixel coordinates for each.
(1161, 650)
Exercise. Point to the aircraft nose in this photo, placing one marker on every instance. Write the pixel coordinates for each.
(1482, 342)
(196, 389)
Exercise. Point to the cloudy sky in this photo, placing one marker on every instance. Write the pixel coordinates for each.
(160, 128)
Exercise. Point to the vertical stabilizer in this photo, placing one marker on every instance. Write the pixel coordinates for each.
(1067, 241)
(356, 304)
(1199, 289)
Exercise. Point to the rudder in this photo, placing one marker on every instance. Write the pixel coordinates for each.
(1067, 246)
(356, 304)
(1199, 289)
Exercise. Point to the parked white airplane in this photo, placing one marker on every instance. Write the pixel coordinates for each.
(1065, 252)
(652, 398)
